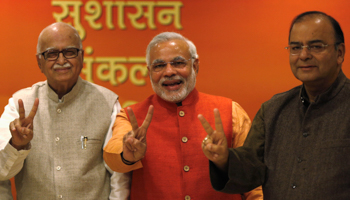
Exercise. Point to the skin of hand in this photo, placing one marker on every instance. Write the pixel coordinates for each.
(134, 142)
(22, 127)
(214, 145)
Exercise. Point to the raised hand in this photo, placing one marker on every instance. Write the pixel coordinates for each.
(22, 127)
(135, 145)
(214, 144)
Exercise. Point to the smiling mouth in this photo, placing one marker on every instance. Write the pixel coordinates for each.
(172, 83)
(307, 66)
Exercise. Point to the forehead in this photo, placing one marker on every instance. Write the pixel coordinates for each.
(312, 28)
(170, 49)
(59, 38)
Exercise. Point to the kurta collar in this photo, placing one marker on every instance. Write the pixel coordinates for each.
(67, 97)
(329, 94)
(191, 98)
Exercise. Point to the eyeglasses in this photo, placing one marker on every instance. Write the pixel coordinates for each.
(54, 54)
(160, 66)
(295, 49)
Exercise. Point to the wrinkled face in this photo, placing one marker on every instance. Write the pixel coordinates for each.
(317, 69)
(61, 72)
(174, 81)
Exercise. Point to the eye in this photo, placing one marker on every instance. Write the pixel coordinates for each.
(316, 46)
(295, 48)
(51, 54)
(70, 52)
(178, 63)
(159, 65)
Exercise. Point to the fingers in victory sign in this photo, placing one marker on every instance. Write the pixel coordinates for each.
(135, 145)
(22, 127)
(214, 144)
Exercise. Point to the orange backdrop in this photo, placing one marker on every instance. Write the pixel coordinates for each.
(240, 43)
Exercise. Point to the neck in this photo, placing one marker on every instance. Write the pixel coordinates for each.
(314, 90)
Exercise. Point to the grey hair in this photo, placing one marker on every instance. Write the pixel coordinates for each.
(166, 36)
(38, 46)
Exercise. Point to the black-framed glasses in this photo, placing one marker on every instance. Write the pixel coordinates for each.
(54, 54)
(296, 49)
(160, 66)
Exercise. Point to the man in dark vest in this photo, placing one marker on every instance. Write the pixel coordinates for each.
(299, 143)
(173, 166)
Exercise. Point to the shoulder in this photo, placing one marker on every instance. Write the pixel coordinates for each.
(94, 88)
(214, 98)
(284, 96)
(145, 103)
(30, 90)
(347, 84)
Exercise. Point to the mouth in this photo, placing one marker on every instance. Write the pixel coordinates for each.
(307, 67)
(172, 85)
(61, 68)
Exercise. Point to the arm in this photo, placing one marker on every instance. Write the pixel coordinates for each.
(246, 169)
(11, 158)
(114, 147)
(240, 127)
(120, 182)
(236, 170)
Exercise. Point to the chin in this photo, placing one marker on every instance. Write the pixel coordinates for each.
(171, 97)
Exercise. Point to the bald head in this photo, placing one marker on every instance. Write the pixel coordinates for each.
(58, 31)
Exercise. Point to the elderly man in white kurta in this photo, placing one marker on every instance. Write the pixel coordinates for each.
(52, 133)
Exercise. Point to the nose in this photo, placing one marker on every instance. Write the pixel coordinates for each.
(169, 70)
(61, 59)
(305, 53)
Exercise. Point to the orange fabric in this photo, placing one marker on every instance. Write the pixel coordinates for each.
(111, 153)
(240, 126)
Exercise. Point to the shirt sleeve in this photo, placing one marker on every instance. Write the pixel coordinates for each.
(241, 125)
(114, 147)
(11, 160)
(120, 182)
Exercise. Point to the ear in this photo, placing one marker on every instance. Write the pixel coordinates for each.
(196, 65)
(341, 53)
(38, 59)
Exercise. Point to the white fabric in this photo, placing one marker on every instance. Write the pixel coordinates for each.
(11, 160)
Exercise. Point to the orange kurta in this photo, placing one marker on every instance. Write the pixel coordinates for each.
(174, 166)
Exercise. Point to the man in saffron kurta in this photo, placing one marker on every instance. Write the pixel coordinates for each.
(172, 166)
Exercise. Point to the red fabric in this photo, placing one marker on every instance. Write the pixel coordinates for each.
(163, 175)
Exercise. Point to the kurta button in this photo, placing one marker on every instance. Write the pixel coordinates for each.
(184, 139)
(187, 197)
(60, 196)
(182, 113)
(294, 186)
(59, 111)
(57, 139)
(186, 168)
(305, 134)
(58, 168)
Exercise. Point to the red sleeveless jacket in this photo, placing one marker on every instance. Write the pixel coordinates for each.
(174, 166)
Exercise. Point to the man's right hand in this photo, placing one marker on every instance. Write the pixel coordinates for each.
(214, 145)
(134, 142)
(22, 127)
